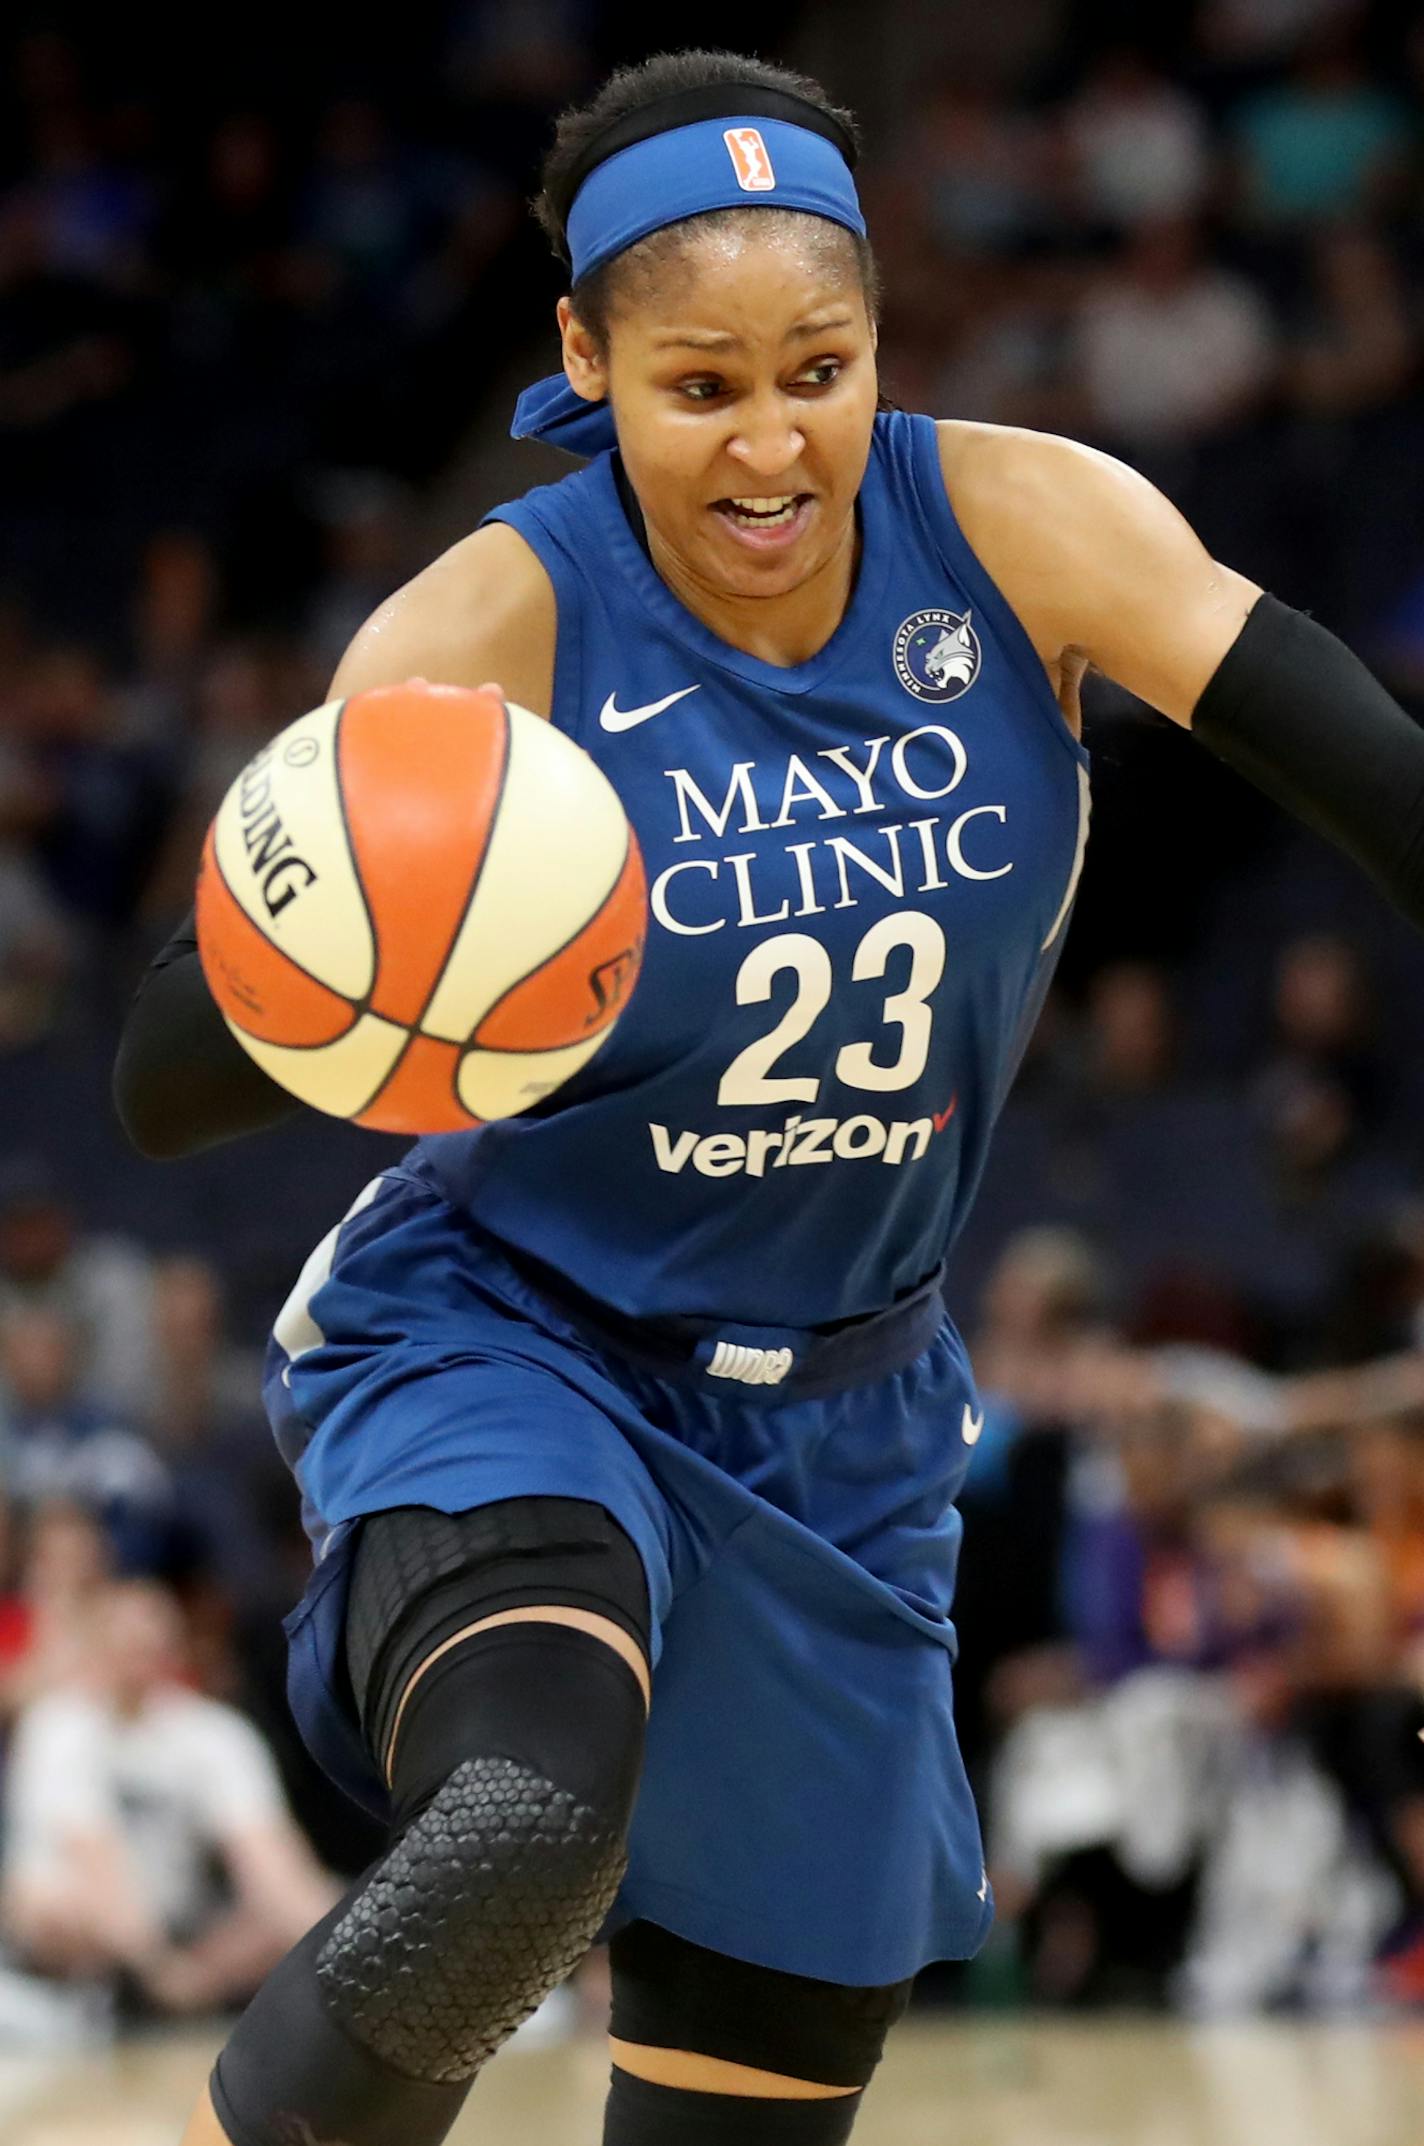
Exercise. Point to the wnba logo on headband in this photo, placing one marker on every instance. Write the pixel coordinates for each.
(750, 160)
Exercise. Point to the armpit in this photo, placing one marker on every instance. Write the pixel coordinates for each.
(1066, 678)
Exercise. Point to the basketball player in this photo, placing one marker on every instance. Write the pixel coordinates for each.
(658, 1375)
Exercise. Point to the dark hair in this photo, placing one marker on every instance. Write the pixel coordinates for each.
(631, 90)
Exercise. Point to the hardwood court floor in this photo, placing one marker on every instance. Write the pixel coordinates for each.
(970, 2083)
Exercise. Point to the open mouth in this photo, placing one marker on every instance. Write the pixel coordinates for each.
(775, 519)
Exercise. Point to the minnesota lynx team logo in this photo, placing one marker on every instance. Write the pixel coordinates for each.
(937, 654)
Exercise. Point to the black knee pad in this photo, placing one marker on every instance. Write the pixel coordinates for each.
(516, 1772)
(672, 1994)
(507, 1862)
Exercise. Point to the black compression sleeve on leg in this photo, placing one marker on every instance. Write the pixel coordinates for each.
(516, 1770)
(181, 1080)
(556, 1699)
(1291, 709)
(290, 2076)
(638, 2113)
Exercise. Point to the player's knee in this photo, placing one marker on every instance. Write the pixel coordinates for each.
(484, 1905)
(514, 1781)
(673, 1996)
(515, 1775)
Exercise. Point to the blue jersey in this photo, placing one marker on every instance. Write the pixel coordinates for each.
(860, 872)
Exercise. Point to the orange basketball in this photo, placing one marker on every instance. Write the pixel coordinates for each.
(421, 908)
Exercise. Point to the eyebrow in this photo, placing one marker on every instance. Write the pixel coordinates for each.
(801, 328)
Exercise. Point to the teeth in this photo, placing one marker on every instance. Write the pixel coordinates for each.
(763, 513)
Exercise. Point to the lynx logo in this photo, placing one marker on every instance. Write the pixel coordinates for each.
(937, 654)
(750, 160)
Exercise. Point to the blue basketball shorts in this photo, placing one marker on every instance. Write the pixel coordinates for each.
(803, 1803)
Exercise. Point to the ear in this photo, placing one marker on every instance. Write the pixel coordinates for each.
(585, 370)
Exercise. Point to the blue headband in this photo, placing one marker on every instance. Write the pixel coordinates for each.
(686, 171)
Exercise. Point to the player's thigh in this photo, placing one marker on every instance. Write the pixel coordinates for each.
(423, 1579)
(673, 2000)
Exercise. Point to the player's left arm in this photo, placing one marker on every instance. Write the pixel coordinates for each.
(1098, 565)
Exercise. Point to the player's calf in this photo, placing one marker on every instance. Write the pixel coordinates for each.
(514, 1778)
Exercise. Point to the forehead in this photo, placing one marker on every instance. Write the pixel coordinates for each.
(751, 275)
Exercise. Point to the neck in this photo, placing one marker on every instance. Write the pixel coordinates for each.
(783, 630)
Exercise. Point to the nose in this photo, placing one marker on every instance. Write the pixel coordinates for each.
(767, 441)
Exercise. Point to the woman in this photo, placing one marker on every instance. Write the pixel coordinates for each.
(659, 1375)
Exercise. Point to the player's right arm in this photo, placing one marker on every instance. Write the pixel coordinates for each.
(484, 610)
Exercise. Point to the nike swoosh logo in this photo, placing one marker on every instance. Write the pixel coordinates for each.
(972, 1425)
(613, 718)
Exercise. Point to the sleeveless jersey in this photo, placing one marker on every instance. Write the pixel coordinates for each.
(860, 872)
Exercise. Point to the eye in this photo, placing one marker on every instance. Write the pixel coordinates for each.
(821, 374)
(699, 390)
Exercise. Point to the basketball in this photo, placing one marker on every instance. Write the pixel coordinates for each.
(421, 908)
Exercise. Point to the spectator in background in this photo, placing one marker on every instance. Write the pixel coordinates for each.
(359, 210)
(1356, 346)
(53, 1444)
(1350, 456)
(67, 342)
(1326, 1022)
(1044, 1306)
(1170, 348)
(207, 1426)
(95, 216)
(122, 1794)
(224, 238)
(37, 949)
(102, 1285)
(1138, 146)
(985, 166)
(1252, 35)
(171, 630)
(365, 517)
(1326, 144)
(71, 353)
(105, 797)
(1133, 1031)
(57, 1559)
(238, 705)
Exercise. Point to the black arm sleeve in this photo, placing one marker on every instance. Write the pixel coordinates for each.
(182, 1081)
(1291, 709)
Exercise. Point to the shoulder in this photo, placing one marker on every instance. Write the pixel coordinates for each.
(1005, 477)
(1030, 505)
(484, 609)
(1094, 559)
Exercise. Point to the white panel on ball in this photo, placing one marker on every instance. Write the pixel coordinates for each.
(339, 1077)
(281, 843)
(557, 847)
(499, 1084)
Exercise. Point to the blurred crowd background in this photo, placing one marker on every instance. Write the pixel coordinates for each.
(263, 308)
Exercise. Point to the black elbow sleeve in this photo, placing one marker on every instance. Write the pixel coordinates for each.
(1295, 712)
(181, 1081)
